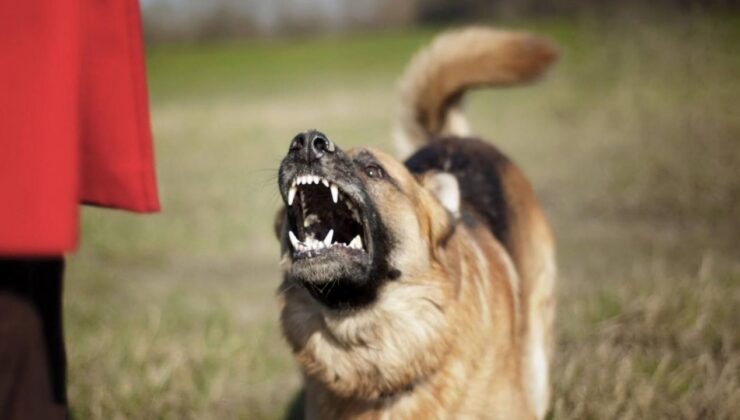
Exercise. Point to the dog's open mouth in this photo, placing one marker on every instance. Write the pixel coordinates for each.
(323, 220)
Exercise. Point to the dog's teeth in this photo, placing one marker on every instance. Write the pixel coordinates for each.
(293, 240)
(334, 193)
(291, 195)
(329, 236)
(316, 179)
(356, 243)
(325, 182)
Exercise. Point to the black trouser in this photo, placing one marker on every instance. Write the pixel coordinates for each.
(32, 357)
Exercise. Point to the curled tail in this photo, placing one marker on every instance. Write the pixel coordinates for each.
(437, 77)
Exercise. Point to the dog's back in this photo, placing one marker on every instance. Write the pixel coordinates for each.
(493, 190)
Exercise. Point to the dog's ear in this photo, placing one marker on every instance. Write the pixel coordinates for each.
(445, 188)
(444, 211)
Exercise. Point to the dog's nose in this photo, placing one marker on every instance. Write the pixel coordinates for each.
(311, 146)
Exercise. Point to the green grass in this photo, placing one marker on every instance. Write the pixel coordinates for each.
(631, 144)
(270, 67)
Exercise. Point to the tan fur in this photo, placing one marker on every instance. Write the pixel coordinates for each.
(465, 330)
(532, 249)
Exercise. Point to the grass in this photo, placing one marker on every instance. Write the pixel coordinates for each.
(632, 146)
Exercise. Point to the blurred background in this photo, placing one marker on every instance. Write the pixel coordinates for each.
(631, 143)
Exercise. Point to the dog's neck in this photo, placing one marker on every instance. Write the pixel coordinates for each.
(351, 353)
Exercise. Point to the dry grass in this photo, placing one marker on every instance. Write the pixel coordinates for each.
(631, 143)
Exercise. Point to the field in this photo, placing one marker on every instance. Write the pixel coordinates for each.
(631, 142)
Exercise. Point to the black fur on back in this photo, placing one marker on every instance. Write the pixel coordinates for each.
(478, 166)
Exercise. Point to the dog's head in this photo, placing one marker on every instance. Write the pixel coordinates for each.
(354, 220)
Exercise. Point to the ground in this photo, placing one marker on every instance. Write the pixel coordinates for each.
(631, 143)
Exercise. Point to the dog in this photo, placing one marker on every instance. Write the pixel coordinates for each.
(421, 289)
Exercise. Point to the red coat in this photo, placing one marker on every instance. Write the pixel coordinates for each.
(74, 119)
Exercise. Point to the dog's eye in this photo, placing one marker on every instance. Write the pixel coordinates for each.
(373, 171)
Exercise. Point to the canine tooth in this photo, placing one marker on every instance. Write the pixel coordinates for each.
(325, 182)
(293, 240)
(291, 195)
(329, 236)
(356, 242)
(334, 193)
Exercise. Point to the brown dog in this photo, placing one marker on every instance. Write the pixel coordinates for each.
(421, 290)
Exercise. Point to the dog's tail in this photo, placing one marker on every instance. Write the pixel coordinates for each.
(436, 79)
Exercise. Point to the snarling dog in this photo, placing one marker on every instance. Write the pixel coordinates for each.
(421, 289)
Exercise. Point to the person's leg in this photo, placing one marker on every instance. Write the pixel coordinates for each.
(32, 355)
(47, 277)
